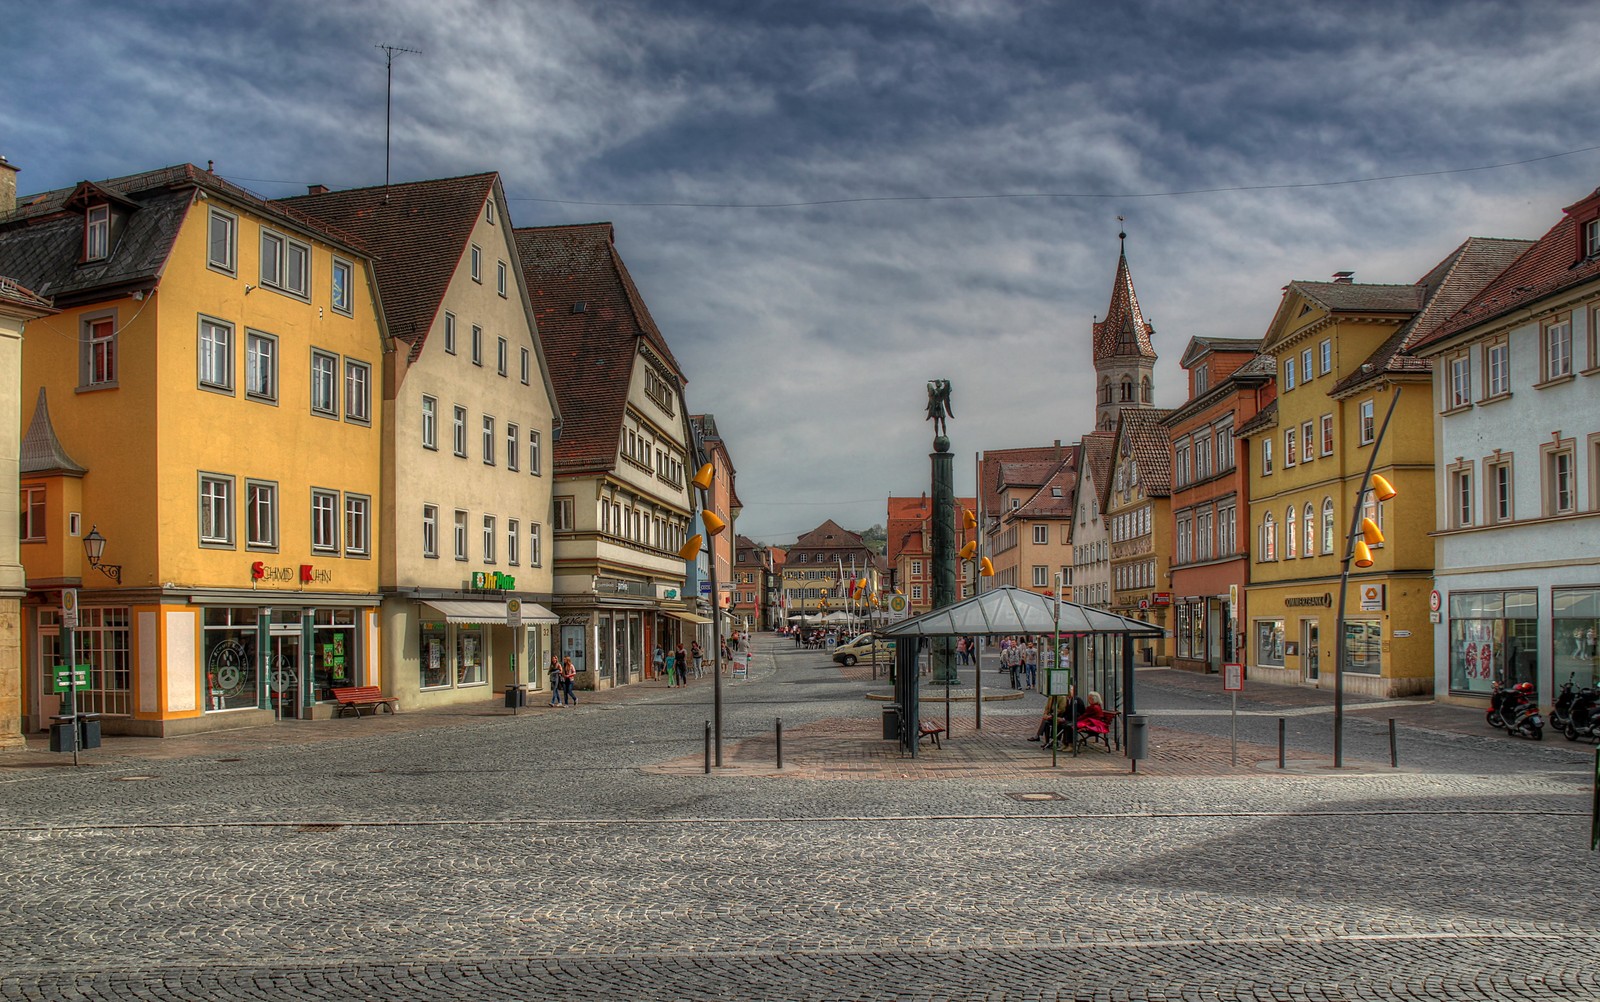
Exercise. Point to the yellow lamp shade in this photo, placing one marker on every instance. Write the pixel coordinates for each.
(691, 548)
(1371, 533)
(713, 521)
(702, 479)
(985, 568)
(1382, 489)
(970, 550)
(1363, 555)
(968, 519)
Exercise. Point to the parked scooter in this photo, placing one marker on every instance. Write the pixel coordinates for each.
(1583, 716)
(1514, 710)
(1561, 709)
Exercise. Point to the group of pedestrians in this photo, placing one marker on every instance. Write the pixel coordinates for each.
(1019, 658)
(563, 677)
(674, 665)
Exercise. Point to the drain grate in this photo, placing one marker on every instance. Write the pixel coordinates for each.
(1030, 797)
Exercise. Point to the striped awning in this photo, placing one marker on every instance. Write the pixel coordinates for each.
(488, 611)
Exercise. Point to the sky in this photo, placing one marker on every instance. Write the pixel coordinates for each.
(828, 204)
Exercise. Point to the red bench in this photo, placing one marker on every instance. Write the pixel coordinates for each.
(929, 729)
(354, 698)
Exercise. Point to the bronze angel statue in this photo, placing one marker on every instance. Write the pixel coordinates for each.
(939, 404)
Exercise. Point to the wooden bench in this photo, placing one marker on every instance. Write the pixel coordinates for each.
(353, 698)
(929, 729)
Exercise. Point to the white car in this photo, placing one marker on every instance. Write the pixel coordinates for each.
(860, 649)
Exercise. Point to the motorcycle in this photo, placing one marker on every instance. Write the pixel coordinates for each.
(1561, 710)
(1514, 710)
(1583, 716)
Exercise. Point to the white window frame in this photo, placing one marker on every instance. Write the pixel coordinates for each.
(527, 365)
(357, 392)
(324, 520)
(1497, 368)
(339, 292)
(1556, 341)
(458, 431)
(1305, 366)
(1369, 428)
(1326, 444)
(449, 333)
(1308, 452)
(534, 452)
(214, 354)
(502, 356)
(476, 256)
(477, 344)
(1266, 455)
(535, 545)
(216, 506)
(430, 531)
(513, 541)
(491, 526)
(1288, 373)
(1326, 351)
(97, 232)
(357, 525)
(228, 263)
(260, 366)
(513, 444)
(500, 279)
(285, 264)
(430, 422)
(1041, 535)
(460, 533)
(325, 375)
(261, 515)
(99, 355)
(1459, 386)
(1499, 502)
(488, 440)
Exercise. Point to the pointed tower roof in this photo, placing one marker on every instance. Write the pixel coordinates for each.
(41, 450)
(1123, 332)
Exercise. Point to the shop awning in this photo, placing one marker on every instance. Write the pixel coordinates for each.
(487, 611)
(687, 617)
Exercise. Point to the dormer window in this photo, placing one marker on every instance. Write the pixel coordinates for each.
(97, 233)
(1591, 238)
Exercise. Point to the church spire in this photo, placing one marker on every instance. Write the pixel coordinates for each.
(1124, 358)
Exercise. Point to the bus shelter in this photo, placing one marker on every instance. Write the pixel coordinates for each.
(1011, 611)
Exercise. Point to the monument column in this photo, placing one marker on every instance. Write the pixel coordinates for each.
(943, 529)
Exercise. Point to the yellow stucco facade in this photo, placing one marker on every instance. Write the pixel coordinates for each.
(1302, 498)
(227, 422)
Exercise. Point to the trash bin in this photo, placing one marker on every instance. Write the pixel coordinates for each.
(62, 736)
(891, 722)
(88, 731)
(516, 695)
(1138, 736)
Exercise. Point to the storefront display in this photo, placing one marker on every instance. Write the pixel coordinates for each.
(433, 655)
(228, 649)
(1493, 635)
(333, 646)
(469, 654)
(1269, 643)
(1575, 622)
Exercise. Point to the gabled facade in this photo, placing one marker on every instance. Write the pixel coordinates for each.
(910, 552)
(1034, 544)
(1516, 402)
(1355, 340)
(819, 567)
(1000, 492)
(1138, 517)
(1229, 382)
(621, 501)
(469, 417)
(752, 586)
(205, 339)
(1091, 542)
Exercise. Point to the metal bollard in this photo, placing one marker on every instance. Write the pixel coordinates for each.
(779, 742)
(1394, 756)
(1280, 742)
(708, 747)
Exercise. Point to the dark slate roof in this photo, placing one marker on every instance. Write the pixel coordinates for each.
(1352, 297)
(41, 242)
(1266, 417)
(1549, 266)
(1442, 292)
(590, 353)
(1124, 331)
(41, 450)
(1142, 427)
(419, 233)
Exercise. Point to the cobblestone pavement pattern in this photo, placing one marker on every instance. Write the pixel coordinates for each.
(571, 854)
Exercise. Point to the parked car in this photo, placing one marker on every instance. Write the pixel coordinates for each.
(860, 649)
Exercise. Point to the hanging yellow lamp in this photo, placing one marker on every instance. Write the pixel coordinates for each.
(1371, 533)
(1382, 489)
(1363, 555)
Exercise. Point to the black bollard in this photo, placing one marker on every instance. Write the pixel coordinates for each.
(1394, 756)
(708, 747)
(779, 742)
(1280, 742)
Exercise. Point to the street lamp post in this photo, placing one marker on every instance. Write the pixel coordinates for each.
(1359, 551)
(713, 525)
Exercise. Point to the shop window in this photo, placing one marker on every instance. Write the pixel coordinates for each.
(104, 641)
(334, 660)
(1493, 635)
(469, 654)
(228, 648)
(1269, 643)
(1575, 621)
(433, 655)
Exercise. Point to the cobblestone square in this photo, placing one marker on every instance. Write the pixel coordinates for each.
(584, 853)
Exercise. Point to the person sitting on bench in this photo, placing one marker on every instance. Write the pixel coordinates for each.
(1094, 721)
(1061, 710)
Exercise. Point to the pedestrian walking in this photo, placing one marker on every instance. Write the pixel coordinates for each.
(569, 678)
(681, 662)
(666, 669)
(699, 656)
(658, 660)
(1011, 658)
(555, 680)
(1030, 664)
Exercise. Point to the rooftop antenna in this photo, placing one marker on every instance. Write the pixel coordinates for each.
(1122, 236)
(388, 104)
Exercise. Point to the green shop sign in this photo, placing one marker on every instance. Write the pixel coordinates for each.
(493, 581)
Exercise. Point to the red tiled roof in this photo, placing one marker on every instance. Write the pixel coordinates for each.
(1440, 293)
(1550, 265)
(1046, 502)
(419, 232)
(990, 475)
(590, 353)
(1124, 331)
(1142, 428)
(1094, 458)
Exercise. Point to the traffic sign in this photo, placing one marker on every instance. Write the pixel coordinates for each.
(69, 608)
(705, 589)
(1434, 602)
(1232, 677)
(70, 678)
(513, 612)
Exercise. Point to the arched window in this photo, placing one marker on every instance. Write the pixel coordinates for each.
(1311, 532)
(1291, 532)
(1269, 538)
(1105, 391)
(1327, 525)
(1146, 393)
(1127, 391)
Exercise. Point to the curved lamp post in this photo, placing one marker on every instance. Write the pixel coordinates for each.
(1359, 541)
(714, 525)
(94, 545)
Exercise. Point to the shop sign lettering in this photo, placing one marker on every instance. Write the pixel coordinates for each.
(1325, 600)
(493, 581)
(285, 574)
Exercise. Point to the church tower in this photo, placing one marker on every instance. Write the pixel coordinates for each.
(1124, 359)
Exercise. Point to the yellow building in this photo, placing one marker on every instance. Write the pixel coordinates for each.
(1342, 352)
(206, 411)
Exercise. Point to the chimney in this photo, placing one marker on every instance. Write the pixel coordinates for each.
(8, 187)
(1344, 277)
(316, 189)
